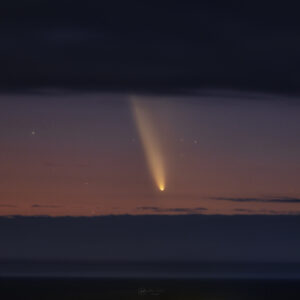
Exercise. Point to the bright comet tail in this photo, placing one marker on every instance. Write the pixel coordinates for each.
(149, 138)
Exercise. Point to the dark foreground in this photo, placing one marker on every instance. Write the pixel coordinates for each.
(147, 289)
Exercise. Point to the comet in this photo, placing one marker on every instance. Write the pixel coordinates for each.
(149, 138)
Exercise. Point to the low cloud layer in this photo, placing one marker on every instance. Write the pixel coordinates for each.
(263, 238)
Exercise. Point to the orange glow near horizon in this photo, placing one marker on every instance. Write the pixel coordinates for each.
(91, 155)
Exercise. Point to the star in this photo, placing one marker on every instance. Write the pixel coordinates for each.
(33, 132)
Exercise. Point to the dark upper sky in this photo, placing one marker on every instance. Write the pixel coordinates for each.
(169, 46)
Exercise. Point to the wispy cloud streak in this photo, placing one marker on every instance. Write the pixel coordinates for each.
(172, 210)
(266, 200)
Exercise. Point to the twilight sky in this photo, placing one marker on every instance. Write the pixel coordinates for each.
(103, 104)
(143, 131)
(81, 154)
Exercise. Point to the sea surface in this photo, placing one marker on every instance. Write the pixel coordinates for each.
(83, 288)
(151, 280)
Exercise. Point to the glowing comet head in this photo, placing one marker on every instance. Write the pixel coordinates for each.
(149, 138)
(161, 187)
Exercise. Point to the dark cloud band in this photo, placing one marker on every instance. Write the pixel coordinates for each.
(170, 48)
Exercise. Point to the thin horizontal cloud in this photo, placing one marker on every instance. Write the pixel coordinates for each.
(172, 210)
(244, 210)
(44, 206)
(264, 211)
(265, 200)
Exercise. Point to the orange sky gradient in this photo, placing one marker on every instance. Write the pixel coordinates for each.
(66, 155)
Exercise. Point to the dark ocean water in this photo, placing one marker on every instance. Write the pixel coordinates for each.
(64, 288)
(148, 270)
(156, 280)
